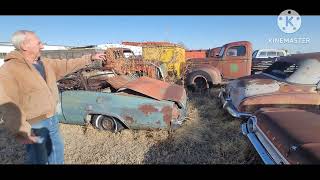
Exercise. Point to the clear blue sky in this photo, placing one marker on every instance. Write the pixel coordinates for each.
(196, 32)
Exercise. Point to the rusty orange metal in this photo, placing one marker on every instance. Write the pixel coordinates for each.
(118, 81)
(157, 89)
(294, 132)
(117, 62)
(233, 61)
(231, 67)
(189, 54)
(214, 52)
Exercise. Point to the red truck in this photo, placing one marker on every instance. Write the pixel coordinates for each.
(233, 61)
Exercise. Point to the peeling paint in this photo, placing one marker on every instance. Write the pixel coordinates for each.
(147, 109)
(167, 114)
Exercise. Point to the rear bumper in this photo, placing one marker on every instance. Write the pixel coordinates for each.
(228, 105)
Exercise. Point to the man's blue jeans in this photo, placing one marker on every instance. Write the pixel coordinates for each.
(50, 148)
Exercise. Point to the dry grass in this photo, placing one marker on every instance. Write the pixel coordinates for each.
(209, 136)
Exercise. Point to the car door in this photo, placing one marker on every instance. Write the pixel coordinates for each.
(235, 62)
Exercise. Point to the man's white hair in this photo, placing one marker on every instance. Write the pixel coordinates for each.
(18, 37)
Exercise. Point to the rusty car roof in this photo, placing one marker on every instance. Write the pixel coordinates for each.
(238, 42)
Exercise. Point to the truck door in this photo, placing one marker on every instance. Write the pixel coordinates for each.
(235, 62)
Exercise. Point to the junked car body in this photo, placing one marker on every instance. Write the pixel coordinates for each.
(293, 81)
(285, 135)
(121, 61)
(113, 102)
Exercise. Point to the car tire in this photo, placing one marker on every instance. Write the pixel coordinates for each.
(198, 81)
(107, 123)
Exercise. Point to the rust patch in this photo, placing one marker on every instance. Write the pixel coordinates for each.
(195, 54)
(148, 109)
(128, 119)
(167, 116)
(174, 92)
(156, 89)
(118, 81)
(296, 88)
(175, 112)
(254, 80)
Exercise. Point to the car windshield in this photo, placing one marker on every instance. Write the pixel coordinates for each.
(281, 69)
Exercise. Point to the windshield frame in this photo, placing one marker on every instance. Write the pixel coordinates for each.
(221, 52)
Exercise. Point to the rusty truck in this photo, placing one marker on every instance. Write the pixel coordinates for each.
(233, 61)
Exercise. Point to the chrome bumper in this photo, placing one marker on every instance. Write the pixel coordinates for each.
(227, 104)
(266, 158)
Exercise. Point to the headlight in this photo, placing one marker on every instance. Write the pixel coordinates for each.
(252, 124)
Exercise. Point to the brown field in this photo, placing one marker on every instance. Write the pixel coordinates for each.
(209, 136)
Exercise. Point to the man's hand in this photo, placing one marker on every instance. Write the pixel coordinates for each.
(99, 56)
(30, 139)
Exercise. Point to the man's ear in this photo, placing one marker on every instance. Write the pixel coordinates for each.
(23, 46)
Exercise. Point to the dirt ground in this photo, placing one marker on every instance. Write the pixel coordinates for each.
(209, 136)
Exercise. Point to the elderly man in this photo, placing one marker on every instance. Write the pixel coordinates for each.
(29, 96)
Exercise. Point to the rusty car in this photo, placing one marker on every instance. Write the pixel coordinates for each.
(233, 61)
(293, 82)
(285, 135)
(114, 102)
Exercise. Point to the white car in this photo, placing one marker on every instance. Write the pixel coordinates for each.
(268, 53)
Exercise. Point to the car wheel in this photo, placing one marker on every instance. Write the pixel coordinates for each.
(107, 123)
(198, 81)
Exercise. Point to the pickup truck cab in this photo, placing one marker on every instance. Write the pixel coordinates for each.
(233, 61)
(263, 58)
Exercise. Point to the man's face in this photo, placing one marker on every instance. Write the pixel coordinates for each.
(33, 45)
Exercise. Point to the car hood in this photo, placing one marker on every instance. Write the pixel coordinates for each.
(295, 133)
(253, 85)
(157, 89)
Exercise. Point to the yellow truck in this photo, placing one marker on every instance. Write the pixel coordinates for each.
(172, 57)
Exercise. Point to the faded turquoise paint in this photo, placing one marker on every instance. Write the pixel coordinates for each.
(234, 68)
(75, 103)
